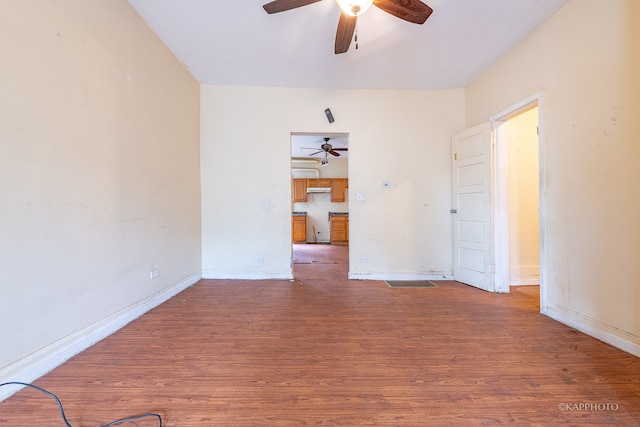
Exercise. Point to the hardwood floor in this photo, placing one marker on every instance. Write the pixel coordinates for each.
(323, 350)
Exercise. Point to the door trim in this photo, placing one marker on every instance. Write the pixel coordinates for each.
(500, 207)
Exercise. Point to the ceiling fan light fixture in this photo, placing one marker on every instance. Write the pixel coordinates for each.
(354, 7)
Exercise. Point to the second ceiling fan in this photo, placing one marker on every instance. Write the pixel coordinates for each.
(409, 10)
(326, 148)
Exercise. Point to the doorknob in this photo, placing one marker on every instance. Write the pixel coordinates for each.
(453, 211)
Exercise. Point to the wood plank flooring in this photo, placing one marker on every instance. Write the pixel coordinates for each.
(325, 351)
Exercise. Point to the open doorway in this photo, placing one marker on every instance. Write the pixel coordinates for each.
(517, 204)
(319, 202)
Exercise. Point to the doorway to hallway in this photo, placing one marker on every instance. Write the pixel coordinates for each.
(496, 178)
(517, 176)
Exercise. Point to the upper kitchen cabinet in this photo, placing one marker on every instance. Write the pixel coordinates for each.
(319, 183)
(299, 190)
(338, 187)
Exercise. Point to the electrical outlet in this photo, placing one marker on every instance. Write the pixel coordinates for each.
(259, 260)
(154, 273)
(364, 260)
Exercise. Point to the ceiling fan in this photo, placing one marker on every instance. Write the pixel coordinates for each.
(326, 148)
(409, 10)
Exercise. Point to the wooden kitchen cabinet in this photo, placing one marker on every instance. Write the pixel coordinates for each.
(318, 182)
(299, 229)
(339, 230)
(338, 189)
(299, 190)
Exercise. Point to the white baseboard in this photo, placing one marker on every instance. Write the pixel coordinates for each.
(45, 360)
(608, 334)
(524, 275)
(394, 276)
(234, 275)
(524, 282)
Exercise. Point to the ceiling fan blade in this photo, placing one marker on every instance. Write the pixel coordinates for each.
(340, 149)
(317, 152)
(283, 5)
(410, 10)
(346, 28)
(334, 152)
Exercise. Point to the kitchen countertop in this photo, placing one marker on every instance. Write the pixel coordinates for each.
(337, 214)
(299, 214)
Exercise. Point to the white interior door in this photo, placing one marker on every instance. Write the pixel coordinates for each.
(472, 238)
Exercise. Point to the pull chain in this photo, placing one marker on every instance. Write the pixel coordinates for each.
(355, 39)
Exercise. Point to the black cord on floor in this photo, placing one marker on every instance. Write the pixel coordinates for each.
(64, 417)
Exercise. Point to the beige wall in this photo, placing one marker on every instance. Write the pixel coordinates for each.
(585, 60)
(398, 136)
(99, 172)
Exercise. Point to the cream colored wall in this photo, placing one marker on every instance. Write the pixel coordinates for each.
(398, 136)
(99, 171)
(337, 167)
(524, 226)
(585, 60)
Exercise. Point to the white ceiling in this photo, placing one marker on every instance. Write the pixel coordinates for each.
(235, 42)
(301, 145)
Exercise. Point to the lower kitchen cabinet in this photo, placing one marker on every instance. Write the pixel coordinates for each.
(339, 230)
(299, 229)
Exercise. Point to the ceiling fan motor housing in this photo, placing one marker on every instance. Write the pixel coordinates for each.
(354, 7)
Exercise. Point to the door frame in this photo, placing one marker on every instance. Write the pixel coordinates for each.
(318, 135)
(500, 182)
